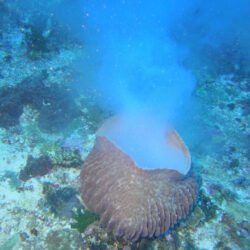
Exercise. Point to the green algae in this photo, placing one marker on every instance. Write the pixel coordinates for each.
(83, 219)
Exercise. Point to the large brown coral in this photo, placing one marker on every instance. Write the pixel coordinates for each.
(131, 201)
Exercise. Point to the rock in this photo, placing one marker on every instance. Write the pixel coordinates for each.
(11, 107)
(36, 167)
(196, 218)
(61, 201)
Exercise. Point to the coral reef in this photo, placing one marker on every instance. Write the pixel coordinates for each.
(218, 221)
(63, 239)
(61, 201)
(36, 79)
(36, 43)
(56, 106)
(36, 167)
(12, 178)
(10, 107)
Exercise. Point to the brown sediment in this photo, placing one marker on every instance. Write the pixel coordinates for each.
(131, 201)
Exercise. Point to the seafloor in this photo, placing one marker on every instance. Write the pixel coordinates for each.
(42, 149)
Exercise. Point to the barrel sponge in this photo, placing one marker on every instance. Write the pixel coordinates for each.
(132, 201)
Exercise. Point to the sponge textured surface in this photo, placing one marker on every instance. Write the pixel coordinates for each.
(131, 201)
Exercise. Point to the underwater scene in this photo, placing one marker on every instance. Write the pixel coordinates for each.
(124, 124)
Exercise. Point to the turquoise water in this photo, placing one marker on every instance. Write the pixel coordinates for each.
(68, 66)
